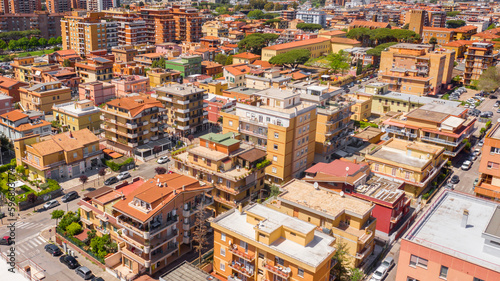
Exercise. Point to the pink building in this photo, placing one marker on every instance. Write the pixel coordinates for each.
(130, 84)
(217, 103)
(170, 50)
(98, 92)
(6, 103)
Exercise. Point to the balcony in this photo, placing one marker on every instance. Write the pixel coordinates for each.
(366, 236)
(184, 102)
(255, 133)
(234, 250)
(145, 132)
(187, 225)
(153, 138)
(131, 125)
(154, 120)
(442, 141)
(183, 119)
(129, 240)
(132, 144)
(132, 136)
(145, 141)
(187, 212)
(396, 219)
(136, 256)
(361, 255)
(278, 270)
(246, 270)
(154, 129)
(158, 242)
(145, 123)
(155, 227)
(101, 117)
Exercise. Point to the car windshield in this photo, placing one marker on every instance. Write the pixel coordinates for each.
(378, 273)
(385, 263)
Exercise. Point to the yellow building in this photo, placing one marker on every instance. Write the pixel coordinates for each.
(442, 35)
(415, 163)
(61, 157)
(317, 47)
(479, 57)
(78, 115)
(22, 68)
(281, 125)
(215, 29)
(214, 87)
(346, 218)
(235, 170)
(158, 76)
(465, 32)
(42, 96)
(362, 109)
(245, 57)
(343, 43)
(259, 243)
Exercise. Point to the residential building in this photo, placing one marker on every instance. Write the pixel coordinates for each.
(414, 69)
(245, 57)
(465, 32)
(442, 35)
(11, 87)
(210, 68)
(362, 108)
(235, 74)
(216, 105)
(312, 16)
(49, 24)
(280, 124)
(45, 73)
(479, 57)
(343, 44)
(25, 6)
(97, 91)
(466, 247)
(148, 59)
(436, 19)
(215, 29)
(488, 186)
(58, 6)
(6, 103)
(317, 47)
(289, 14)
(368, 24)
(459, 46)
(220, 160)
(260, 243)
(346, 218)
(64, 55)
(159, 76)
(95, 69)
(62, 156)
(242, 94)
(434, 124)
(41, 97)
(17, 124)
(124, 53)
(130, 84)
(415, 163)
(214, 87)
(188, 23)
(270, 79)
(186, 65)
(127, 68)
(185, 108)
(187, 271)
(22, 68)
(100, 5)
(78, 115)
(157, 221)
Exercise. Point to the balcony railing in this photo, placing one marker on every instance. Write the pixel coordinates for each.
(280, 271)
(157, 228)
(363, 253)
(442, 141)
(247, 270)
(396, 219)
(234, 249)
(158, 242)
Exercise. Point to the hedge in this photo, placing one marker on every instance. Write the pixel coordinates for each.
(6, 167)
(114, 166)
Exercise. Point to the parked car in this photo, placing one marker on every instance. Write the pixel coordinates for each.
(110, 181)
(53, 250)
(380, 273)
(475, 182)
(493, 97)
(477, 152)
(163, 160)
(466, 165)
(6, 240)
(455, 179)
(69, 261)
(480, 143)
(449, 186)
(123, 175)
(466, 105)
(72, 195)
(388, 262)
(50, 204)
(84, 272)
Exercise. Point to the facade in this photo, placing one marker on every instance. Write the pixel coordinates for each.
(11, 87)
(6, 103)
(236, 171)
(443, 35)
(415, 163)
(214, 87)
(478, 58)
(185, 108)
(235, 74)
(217, 104)
(317, 47)
(257, 243)
(25, 6)
(281, 125)
(49, 24)
(245, 57)
(416, 20)
(186, 65)
(268, 79)
(98, 92)
(159, 76)
(312, 16)
(130, 84)
(362, 108)
(210, 68)
(78, 115)
(61, 157)
(489, 178)
(41, 97)
(131, 121)
(414, 69)
(17, 124)
(95, 69)
(58, 6)
(466, 249)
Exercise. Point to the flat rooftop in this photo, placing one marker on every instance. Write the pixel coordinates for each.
(277, 93)
(440, 228)
(187, 271)
(416, 99)
(435, 112)
(400, 156)
(381, 188)
(313, 254)
(180, 90)
(495, 132)
(242, 90)
(70, 108)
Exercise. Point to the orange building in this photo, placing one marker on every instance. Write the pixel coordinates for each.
(442, 35)
(210, 68)
(489, 167)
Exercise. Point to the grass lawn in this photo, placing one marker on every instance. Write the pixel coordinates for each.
(33, 53)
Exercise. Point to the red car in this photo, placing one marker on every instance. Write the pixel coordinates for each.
(6, 240)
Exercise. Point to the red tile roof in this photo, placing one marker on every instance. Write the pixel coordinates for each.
(370, 24)
(14, 115)
(247, 55)
(297, 44)
(336, 168)
(346, 41)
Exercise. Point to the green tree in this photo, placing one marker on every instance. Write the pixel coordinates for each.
(433, 41)
(269, 6)
(33, 42)
(406, 26)
(229, 60)
(278, 7)
(359, 67)
(455, 23)
(59, 40)
(309, 26)
(23, 43)
(56, 214)
(220, 59)
(255, 14)
(492, 26)
(341, 269)
(452, 14)
(356, 274)
(66, 63)
(42, 42)
(338, 62)
(52, 41)
(489, 80)
(20, 169)
(256, 41)
(291, 58)
(377, 51)
(3, 45)
(13, 44)
(74, 229)
(127, 7)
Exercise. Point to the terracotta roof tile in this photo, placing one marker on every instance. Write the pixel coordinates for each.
(247, 55)
(238, 69)
(136, 104)
(370, 24)
(14, 115)
(348, 41)
(296, 44)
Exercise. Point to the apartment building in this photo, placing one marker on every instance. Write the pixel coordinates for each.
(317, 47)
(435, 124)
(215, 29)
(466, 247)
(186, 65)
(157, 221)
(100, 5)
(415, 69)
(11, 87)
(289, 14)
(245, 58)
(346, 218)
(443, 35)
(22, 68)
(97, 91)
(131, 121)
(280, 124)
(415, 163)
(6, 103)
(478, 58)
(259, 243)
(49, 24)
(41, 97)
(17, 124)
(214, 87)
(159, 76)
(25, 6)
(368, 24)
(58, 6)
(95, 69)
(235, 170)
(85, 32)
(489, 184)
(235, 74)
(185, 108)
(130, 84)
(436, 18)
(362, 107)
(160, 25)
(188, 23)
(217, 104)
(78, 115)
(61, 157)
(312, 16)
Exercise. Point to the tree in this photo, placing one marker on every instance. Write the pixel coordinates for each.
(200, 232)
(455, 23)
(33, 42)
(406, 26)
(20, 169)
(229, 60)
(433, 41)
(52, 41)
(3, 45)
(220, 59)
(377, 51)
(127, 7)
(160, 170)
(356, 274)
(66, 63)
(492, 26)
(452, 14)
(309, 26)
(83, 180)
(269, 6)
(489, 80)
(256, 41)
(141, 4)
(255, 14)
(56, 215)
(157, 149)
(59, 40)
(341, 255)
(278, 7)
(42, 42)
(74, 229)
(359, 67)
(23, 43)
(338, 62)
(102, 172)
(291, 58)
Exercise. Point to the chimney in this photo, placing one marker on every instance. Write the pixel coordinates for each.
(465, 217)
(183, 187)
(240, 209)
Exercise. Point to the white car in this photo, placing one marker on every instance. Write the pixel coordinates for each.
(466, 165)
(50, 204)
(163, 160)
(123, 175)
(380, 273)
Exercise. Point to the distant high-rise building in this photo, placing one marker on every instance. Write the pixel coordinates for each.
(25, 6)
(4, 6)
(436, 19)
(58, 6)
(313, 16)
(100, 5)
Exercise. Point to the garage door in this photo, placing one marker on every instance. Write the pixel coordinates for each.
(76, 170)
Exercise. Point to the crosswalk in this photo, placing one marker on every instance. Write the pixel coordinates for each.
(30, 247)
(29, 225)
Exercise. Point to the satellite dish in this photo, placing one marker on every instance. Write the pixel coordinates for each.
(341, 194)
(316, 185)
(347, 168)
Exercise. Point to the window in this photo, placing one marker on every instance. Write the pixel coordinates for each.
(222, 266)
(228, 184)
(376, 167)
(275, 147)
(195, 158)
(275, 170)
(443, 273)
(230, 123)
(276, 135)
(75, 155)
(300, 272)
(275, 158)
(492, 165)
(209, 162)
(394, 172)
(414, 261)
(477, 279)
(495, 150)
(261, 255)
(280, 261)
(222, 252)
(223, 237)
(411, 279)
(220, 180)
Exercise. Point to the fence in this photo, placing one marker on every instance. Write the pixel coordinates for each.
(204, 257)
(24, 205)
(35, 272)
(60, 237)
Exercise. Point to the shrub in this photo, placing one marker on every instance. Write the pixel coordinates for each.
(6, 167)
(74, 228)
(160, 170)
(117, 167)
